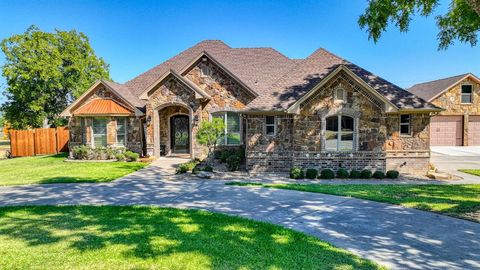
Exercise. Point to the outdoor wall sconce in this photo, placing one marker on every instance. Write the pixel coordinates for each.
(149, 120)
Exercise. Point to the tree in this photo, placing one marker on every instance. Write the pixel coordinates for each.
(209, 134)
(45, 72)
(462, 21)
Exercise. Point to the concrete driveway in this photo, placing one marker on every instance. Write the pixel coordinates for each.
(452, 158)
(397, 237)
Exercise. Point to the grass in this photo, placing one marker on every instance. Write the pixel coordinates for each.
(471, 171)
(53, 169)
(129, 237)
(462, 201)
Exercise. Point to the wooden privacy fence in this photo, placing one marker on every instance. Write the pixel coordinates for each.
(39, 141)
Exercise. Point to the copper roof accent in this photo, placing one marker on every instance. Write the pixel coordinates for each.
(102, 107)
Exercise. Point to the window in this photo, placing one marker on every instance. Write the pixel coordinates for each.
(205, 70)
(466, 94)
(339, 133)
(121, 131)
(405, 124)
(340, 94)
(270, 126)
(232, 127)
(99, 128)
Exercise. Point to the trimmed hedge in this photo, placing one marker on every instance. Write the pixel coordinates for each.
(366, 174)
(342, 173)
(296, 173)
(233, 162)
(354, 174)
(311, 174)
(378, 175)
(327, 174)
(392, 174)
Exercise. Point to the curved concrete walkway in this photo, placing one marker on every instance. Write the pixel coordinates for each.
(397, 237)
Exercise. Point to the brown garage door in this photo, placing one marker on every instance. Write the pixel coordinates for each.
(474, 130)
(446, 130)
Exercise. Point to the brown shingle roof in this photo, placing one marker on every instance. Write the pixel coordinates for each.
(429, 90)
(278, 80)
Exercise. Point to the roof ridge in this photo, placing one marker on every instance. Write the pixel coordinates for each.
(441, 79)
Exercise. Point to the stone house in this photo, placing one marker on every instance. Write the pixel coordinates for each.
(459, 96)
(322, 111)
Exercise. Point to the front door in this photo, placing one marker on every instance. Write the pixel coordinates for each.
(180, 134)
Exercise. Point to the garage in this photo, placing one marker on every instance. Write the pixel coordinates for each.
(446, 130)
(474, 131)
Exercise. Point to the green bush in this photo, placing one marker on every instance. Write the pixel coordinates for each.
(311, 173)
(131, 156)
(342, 173)
(208, 169)
(224, 155)
(378, 175)
(233, 162)
(355, 174)
(198, 168)
(187, 166)
(120, 157)
(84, 152)
(366, 174)
(81, 152)
(296, 173)
(392, 174)
(327, 174)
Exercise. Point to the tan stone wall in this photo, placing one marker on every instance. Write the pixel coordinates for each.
(451, 102)
(226, 95)
(420, 138)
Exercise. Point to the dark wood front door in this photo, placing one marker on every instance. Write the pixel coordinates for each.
(180, 134)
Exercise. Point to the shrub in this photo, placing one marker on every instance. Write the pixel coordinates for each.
(233, 162)
(355, 174)
(120, 157)
(187, 166)
(378, 175)
(327, 174)
(296, 173)
(392, 174)
(131, 156)
(208, 169)
(81, 152)
(199, 168)
(311, 173)
(366, 174)
(342, 173)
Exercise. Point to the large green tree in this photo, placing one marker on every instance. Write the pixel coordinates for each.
(461, 22)
(45, 72)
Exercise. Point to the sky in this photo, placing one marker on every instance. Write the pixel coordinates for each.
(133, 36)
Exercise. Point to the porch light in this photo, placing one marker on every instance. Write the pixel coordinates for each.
(149, 120)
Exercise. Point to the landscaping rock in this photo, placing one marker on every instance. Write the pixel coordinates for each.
(205, 175)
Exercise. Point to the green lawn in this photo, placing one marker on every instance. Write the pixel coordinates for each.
(129, 237)
(471, 171)
(461, 201)
(53, 169)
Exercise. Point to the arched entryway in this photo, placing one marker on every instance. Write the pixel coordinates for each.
(179, 134)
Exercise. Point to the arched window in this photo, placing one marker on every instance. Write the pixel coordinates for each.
(339, 133)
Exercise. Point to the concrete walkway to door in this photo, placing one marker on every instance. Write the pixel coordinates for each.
(398, 237)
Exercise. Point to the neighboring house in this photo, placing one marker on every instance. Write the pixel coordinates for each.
(321, 111)
(459, 123)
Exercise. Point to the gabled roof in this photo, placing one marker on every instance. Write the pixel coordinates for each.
(431, 90)
(275, 80)
(102, 107)
(198, 91)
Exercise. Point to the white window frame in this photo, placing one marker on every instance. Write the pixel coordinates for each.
(409, 124)
(116, 131)
(344, 95)
(274, 125)
(93, 133)
(225, 143)
(339, 133)
(461, 94)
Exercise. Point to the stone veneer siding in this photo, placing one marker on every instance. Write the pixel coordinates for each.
(299, 140)
(451, 102)
(226, 95)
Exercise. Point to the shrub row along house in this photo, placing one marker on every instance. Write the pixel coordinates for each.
(321, 111)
